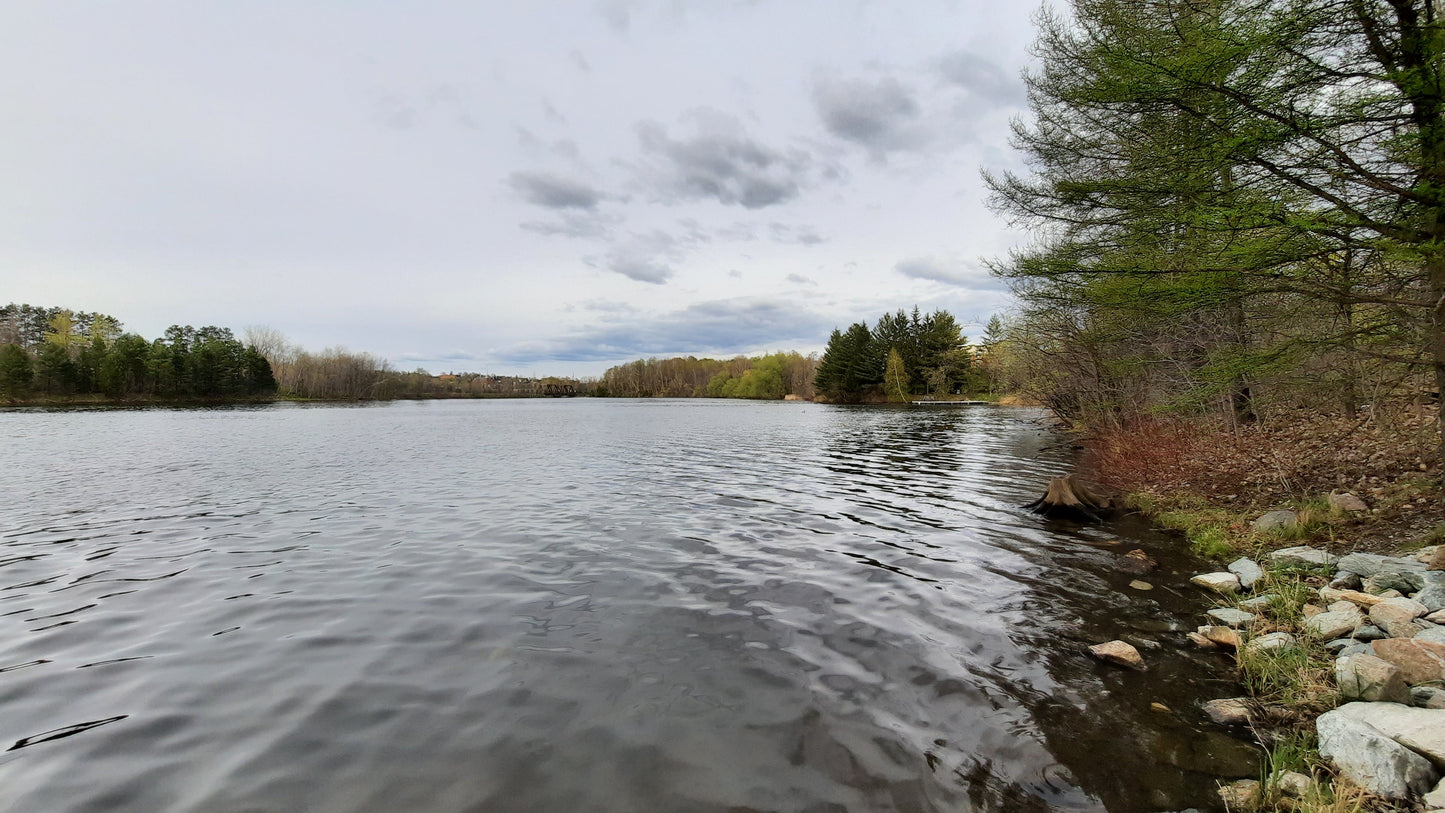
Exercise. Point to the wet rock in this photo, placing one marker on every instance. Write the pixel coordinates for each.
(1276, 521)
(1142, 643)
(1295, 784)
(1118, 653)
(1397, 616)
(1433, 597)
(1138, 585)
(1420, 730)
(1418, 661)
(1334, 625)
(1370, 759)
(1241, 795)
(1200, 641)
(1223, 636)
(1332, 594)
(1302, 555)
(1247, 570)
(1135, 562)
(1227, 711)
(1160, 708)
(1362, 676)
(1218, 582)
(1272, 642)
(1230, 617)
(1427, 697)
(1347, 501)
(1213, 753)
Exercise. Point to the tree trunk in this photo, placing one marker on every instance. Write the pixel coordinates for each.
(1070, 498)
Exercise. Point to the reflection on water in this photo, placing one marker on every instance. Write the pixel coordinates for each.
(576, 605)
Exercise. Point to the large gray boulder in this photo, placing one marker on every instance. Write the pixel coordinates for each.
(1334, 624)
(1370, 758)
(1433, 597)
(1420, 730)
(1362, 676)
(1373, 564)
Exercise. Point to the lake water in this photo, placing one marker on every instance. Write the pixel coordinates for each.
(578, 605)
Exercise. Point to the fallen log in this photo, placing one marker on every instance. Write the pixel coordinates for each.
(1071, 499)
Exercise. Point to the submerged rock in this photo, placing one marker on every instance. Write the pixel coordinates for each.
(1118, 653)
(1135, 562)
(1227, 711)
(1361, 676)
(1141, 585)
(1369, 758)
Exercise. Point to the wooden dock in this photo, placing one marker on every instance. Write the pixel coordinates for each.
(949, 403)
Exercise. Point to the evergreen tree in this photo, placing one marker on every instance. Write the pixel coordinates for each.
(16, 371)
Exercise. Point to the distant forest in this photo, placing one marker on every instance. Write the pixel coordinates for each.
(773, 377)
(902, 356)
(56, 352)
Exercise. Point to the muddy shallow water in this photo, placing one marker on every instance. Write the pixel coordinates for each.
(579, 605)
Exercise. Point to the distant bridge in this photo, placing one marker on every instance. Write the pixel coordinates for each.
(559, 390)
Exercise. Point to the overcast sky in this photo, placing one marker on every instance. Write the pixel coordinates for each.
(520, 187)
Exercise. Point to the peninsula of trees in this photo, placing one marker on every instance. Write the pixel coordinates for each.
(903, 355)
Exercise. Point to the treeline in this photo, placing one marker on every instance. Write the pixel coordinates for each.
(901, 356)
(774, 376)
(1240, 208)
(56, 352)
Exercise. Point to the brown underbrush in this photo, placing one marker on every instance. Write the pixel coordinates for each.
(1292, 458)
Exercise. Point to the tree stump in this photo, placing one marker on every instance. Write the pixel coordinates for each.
(1071, 499)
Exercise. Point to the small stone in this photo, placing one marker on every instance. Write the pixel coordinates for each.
(1338, 644)
(1391, 593)
(1135, 562)
(1258, 602)
(1118, 653)
(1275, 521)
(1355, 649)
(1227, 711)
(1138, 585)
(1241, 795)
(1396, 616)
(1418, 661)
(1332, 595)
(1247, 570)
(1272, 642)
(1224, 636)
(1218, 582)
(1230, 617)
(1366, 677)
(1295, 784)
(1427, 697)
(1347, 502)
(1159, 708)
(1369, 632)
(1334, 625)
(1302, 555)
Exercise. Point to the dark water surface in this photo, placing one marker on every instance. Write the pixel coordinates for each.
(577, 606)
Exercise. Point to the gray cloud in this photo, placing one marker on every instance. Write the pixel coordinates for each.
(554, 191)
(799, 279)
(983, 79)
(719, 327)
(720, 163)
(936, 269)
(802, 235)
(645, 257)
(586, 224)
(880, 115)
(580, 61)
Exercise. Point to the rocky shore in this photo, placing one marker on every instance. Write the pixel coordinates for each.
(1378, 713)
